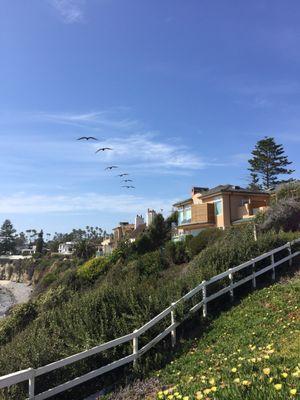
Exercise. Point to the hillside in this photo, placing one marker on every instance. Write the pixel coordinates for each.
(250, 352)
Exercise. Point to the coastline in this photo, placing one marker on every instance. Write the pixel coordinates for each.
(12, 293)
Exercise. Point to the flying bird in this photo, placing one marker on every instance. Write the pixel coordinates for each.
(103, 149)
(127, 180)
(128, 187)
(121, 175)
(87, 138)
(113, 166)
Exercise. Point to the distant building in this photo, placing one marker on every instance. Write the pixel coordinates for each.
(107, 247)
(29, 251)
(66, 248)
(221, 207)
(122, 231)
(150, 216)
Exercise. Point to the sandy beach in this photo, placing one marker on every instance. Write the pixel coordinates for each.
(12, 293)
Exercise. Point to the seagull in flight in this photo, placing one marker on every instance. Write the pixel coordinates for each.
(87, 138)
(121, 175)
(103, 149)
(127, 180)
(128, 187)
(113, 166)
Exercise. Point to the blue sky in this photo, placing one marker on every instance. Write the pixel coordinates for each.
(181, 90)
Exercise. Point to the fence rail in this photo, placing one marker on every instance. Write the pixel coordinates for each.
(30, 373)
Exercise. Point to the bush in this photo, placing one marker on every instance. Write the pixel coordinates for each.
(151, 263)
(92, 269)
(289, 190)
(206, 237)
(284, 215)
(176, 252)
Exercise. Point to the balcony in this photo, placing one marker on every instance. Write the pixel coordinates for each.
(199, 214)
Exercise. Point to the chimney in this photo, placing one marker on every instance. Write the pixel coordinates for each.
(139, 220)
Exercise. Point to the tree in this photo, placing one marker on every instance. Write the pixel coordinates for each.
(7, 238)
(40, 242)
(267, 163)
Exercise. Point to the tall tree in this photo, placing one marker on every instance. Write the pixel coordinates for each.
(267, 163)
(7, 238)
(40, 242)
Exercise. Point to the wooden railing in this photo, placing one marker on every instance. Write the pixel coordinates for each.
(30, 374)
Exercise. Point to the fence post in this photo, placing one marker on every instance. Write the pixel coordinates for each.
(273, 269)
(290, 253)
(204, 299)
(31, 384)
(135, 347)
(231, 284)
(173, 331)
(253, 274)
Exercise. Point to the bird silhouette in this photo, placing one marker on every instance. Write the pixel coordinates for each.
(111, 167)
(128, 187)
(87, 138)
(121, 175)
(127, 180)
(103, 149)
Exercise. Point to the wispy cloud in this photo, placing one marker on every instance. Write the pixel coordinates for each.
(105, 118)
(25, 203)
(70, 11)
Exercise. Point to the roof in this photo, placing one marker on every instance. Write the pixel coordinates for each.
(182, 202)
(220, 189)
(136, 232)
(230, 188)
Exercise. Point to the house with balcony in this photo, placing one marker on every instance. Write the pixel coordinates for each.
(221, 207)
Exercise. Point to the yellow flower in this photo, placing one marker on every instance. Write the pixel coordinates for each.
(266, 371)
(284, 374)
(266, 356)
(185, 398)
(278, 386)
(199, 396)
(237, 380)
(166, 392)
(233, 369)
(293, 392)
(176, 394)
(246, 383)
(206, 391)
(212, 381)
(271, 380)
(160, 396)
(213, 388)
(160, 393)
(170, 397)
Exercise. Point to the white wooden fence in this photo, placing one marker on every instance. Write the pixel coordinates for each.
(30, 374)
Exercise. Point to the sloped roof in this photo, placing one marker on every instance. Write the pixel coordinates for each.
(136, 232)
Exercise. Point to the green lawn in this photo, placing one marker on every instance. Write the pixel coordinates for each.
(249, 352)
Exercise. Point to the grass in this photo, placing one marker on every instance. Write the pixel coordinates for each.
(249, 352)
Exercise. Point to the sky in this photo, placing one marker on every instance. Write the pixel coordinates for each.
(180, 89)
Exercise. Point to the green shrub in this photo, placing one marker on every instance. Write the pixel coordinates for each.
(206, 237)
(151, 263)
(92, 269)
(176, 252)
(284, 215)
(48, 279)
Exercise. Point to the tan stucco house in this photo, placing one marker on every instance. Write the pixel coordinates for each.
(221, 207)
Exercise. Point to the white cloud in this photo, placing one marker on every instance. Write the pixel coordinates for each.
(105, 119)
(24, 203)
(70, 11)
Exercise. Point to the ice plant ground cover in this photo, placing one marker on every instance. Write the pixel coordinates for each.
(249, 352)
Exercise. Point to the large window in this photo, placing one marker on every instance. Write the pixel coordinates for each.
(184, 215)
(218, 207)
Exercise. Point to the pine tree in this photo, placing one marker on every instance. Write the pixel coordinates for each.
(40, 242)
(267, 163)
(8, 238)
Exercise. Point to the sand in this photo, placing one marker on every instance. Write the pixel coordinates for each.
(12, 293)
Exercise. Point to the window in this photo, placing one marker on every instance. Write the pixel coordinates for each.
(218, 207)
(184, 215)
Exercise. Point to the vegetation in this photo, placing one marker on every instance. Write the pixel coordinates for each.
(267, 163)
(250, 352)
(7, 238)
(101, 300)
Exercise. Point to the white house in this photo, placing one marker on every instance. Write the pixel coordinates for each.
(66, 248)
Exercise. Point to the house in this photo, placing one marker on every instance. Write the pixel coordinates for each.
(139, 227)
(107, 247)
(221, 207)
(66, 248)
